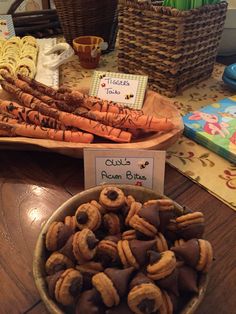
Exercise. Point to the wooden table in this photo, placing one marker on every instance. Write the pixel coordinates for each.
(34, 184)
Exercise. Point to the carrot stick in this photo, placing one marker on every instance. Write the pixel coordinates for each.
(5, 117)
(8, 118)
(25, 87)
(21, 96)
(69, 119)
(76, 98)
(32, 131)
(3, 133)
(97, 104)
(63, 90)
(29, 115)
(46, 90)
(149, 123)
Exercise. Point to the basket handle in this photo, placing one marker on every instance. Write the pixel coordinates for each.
(14, 6)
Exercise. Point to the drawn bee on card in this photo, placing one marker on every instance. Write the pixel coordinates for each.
(129, 96)
(101, 76)
(143, 164)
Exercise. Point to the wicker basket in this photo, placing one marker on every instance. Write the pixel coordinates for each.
(174, 48)
(89, 17)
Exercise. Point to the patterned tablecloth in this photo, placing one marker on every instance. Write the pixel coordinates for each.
(204, 167)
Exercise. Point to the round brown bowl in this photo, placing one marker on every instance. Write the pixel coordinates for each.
(141, 194)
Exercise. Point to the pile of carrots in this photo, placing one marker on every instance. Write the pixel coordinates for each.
(67, 115)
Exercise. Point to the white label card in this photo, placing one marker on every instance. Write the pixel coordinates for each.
(126, 89)
(136, 167)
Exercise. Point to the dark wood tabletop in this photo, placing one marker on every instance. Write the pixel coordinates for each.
(34, 184)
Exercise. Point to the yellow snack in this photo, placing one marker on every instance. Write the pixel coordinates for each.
(30, 40)
(11, 49)
(26, 55)
(26, 67)
(9, 59)
(19, 55)
(6, 66)
(2, 42)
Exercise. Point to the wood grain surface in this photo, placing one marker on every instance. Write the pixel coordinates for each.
(34, 184)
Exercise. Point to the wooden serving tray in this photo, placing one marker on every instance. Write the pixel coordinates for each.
(153, 104)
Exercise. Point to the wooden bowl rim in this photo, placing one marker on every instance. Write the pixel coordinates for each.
(38, 265)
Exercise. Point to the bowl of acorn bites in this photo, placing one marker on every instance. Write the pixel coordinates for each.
(122, 249)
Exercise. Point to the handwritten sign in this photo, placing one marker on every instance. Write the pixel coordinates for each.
(123, 88)
(6, 26)
(136, 167)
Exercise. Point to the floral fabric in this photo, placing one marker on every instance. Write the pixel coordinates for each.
(198, 163)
